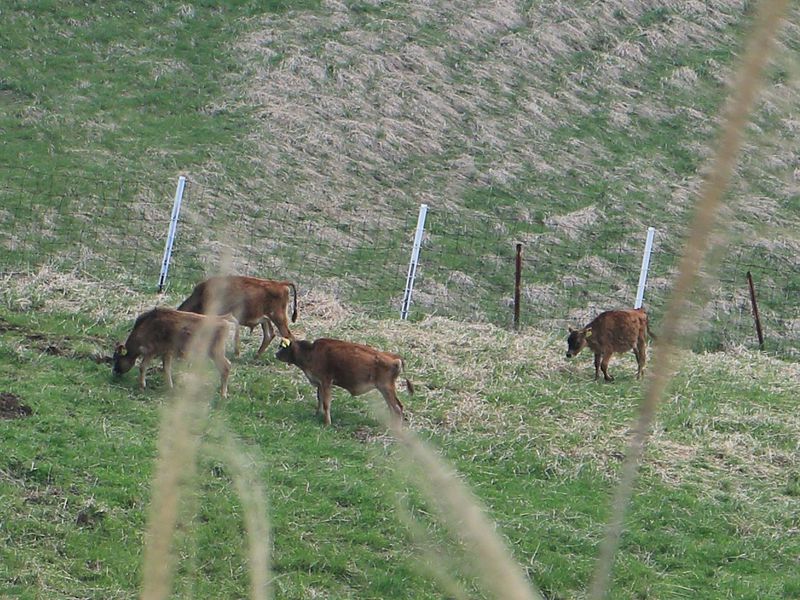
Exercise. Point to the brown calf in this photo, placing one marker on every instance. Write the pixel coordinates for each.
(168, 333)
(250, 300)
(610, 332)
(354, 367)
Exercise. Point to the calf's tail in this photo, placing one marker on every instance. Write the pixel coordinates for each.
(294, 302)
(650, 333)
(400, 367)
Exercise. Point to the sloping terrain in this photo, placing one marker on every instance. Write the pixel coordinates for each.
(310, 132)
(311, 135)
(573, 127)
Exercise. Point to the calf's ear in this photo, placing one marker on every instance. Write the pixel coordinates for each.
(571, 329)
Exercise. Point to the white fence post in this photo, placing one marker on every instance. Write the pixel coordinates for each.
(173, 225)
(648, 248)
(412, 266)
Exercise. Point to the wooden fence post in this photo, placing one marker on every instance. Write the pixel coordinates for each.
(517, 280)
(755, 311)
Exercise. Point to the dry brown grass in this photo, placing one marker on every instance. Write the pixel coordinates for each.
(370, 98)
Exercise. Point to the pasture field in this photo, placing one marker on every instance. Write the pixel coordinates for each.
(311, 135)
(310, 132)
(715, 512)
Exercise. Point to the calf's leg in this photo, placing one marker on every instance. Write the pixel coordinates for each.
(224, 367)
(266, 328)
(325, 393)
(143, 369)
(393, 402)
(167, 361)
(236, 339)
(319, 400)
(279, 319)
(604, 366)
(641, 358)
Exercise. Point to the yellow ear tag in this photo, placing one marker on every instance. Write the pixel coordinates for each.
(285, 342)
(123, 351)
(589, 333)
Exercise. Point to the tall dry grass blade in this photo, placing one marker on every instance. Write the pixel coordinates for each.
(180, 436)
(182, 425)
(254, 505)
(432, 561)
(178, 441)
(466, 519)
(743, 97)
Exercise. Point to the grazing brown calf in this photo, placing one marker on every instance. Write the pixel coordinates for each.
(250, 300)
(612, 331)
(168, 333)
(354, 367)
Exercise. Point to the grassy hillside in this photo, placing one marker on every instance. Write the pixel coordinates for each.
(310, 136)
(310, 132)
(536, 439)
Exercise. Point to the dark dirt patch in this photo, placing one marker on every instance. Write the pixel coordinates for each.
(60, 346)
(364, 435)
(90, 516)
(47, 495)
(53, 350)
(11, 408)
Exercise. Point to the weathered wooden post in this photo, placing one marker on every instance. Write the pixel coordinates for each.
(517, 280)
(755, 311)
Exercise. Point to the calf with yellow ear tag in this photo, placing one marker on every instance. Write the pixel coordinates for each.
(285, 351)
(121, 362)
(170, 334)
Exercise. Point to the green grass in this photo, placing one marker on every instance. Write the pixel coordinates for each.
(713, 512)
(90, 89)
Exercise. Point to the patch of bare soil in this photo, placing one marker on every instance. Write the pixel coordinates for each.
(61, 346)
(11, 408)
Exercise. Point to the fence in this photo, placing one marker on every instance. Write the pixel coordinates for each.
(466, 268)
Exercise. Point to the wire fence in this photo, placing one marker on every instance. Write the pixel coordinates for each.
(570, 272)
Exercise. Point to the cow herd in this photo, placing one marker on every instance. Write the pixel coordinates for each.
(200, 327)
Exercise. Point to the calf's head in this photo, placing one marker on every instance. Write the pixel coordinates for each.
(285, 351)
(122, 361)
(577, 340)
(294, 352)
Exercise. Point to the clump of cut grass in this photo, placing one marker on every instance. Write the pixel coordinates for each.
(573, 224)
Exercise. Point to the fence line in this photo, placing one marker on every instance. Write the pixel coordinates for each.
(466, 266)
